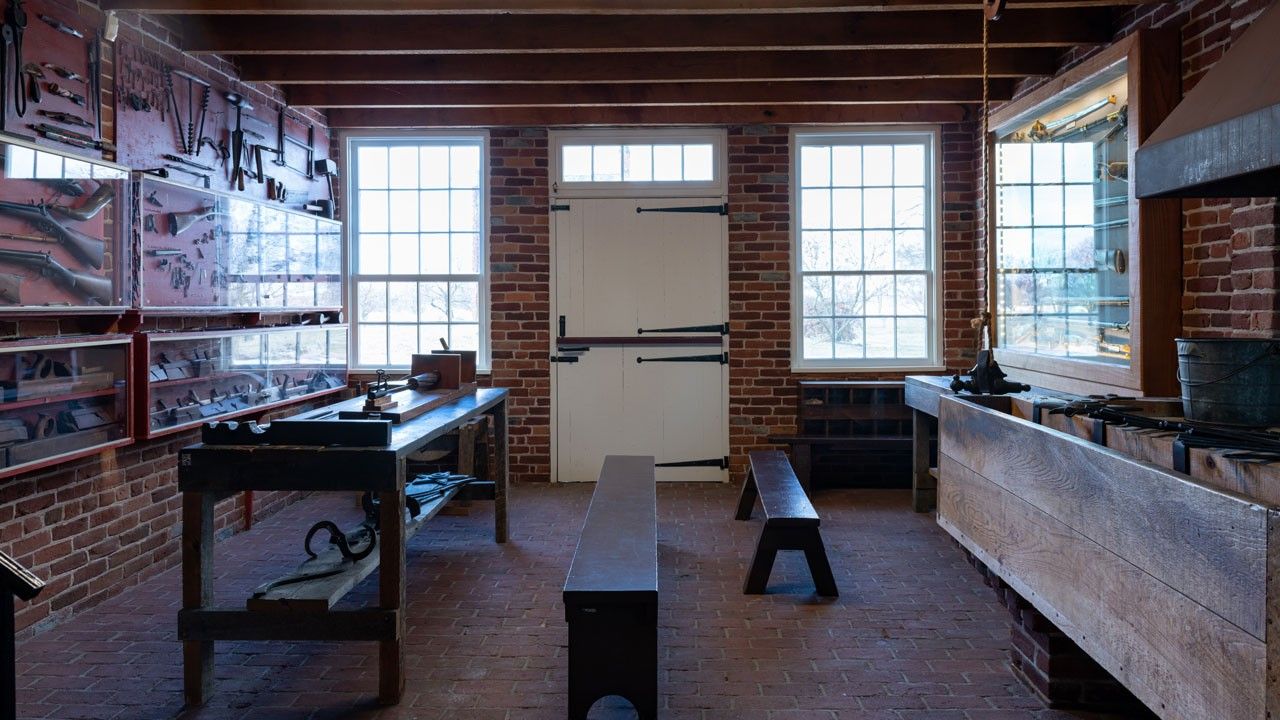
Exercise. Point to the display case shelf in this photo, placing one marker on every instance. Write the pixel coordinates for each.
(64, 229)
(1086, 277)
(212, 252)
(187, 378)
(62, 399)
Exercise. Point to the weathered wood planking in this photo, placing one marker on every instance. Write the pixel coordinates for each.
(1273, 614)
(1208, 544)
(1182, 660)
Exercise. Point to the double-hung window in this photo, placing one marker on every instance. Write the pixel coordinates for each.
(865, 250)
(418, 234)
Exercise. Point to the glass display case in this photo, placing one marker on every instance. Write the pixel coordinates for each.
(1062, 225)
(62, 398)
(64, 224)
(1085, 278)
(195, 377)
(205, 250)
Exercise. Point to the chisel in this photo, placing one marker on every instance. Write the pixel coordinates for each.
(66, 118)
(61, 27)
(63, 73)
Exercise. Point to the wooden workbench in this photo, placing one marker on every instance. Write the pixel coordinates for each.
(206, 473)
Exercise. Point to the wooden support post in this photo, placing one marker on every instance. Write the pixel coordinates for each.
(501, 472)
(924, 486)
(391, 593)
(197, 591)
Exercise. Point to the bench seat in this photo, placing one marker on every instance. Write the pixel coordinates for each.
(790, 522)
(611, 592)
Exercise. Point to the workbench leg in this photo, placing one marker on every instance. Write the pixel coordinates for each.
(197, 591)
(924, 487)
(501, 471)
(391, 596)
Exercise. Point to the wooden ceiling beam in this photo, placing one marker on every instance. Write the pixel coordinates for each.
(646, 67)
(422, 34)
(579, 7)
(352, 118)
(955, 90)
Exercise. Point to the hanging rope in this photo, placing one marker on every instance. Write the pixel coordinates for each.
(991, 10)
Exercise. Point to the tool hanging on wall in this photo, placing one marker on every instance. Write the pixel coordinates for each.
(190, 138)
(95, 82)
(61, 27)
(34, 75)
(238, 102)
(67, 137)
(15, 24)
(62, 72)
(74, 97)
(283, 140)
(65, 118)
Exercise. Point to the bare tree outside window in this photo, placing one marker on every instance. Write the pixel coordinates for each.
(865, 265)
(418, 247)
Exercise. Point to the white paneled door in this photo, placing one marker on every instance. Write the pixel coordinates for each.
(619, 386)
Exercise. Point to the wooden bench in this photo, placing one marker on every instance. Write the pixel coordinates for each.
(611, 593)
(790, 522)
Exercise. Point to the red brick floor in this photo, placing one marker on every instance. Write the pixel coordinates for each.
(914, 634)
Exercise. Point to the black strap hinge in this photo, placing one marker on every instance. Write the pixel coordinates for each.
(720, 462)
(722, 209)
(722, 328)
(722, 358)
(558, 208)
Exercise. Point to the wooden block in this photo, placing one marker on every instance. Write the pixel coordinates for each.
(468, 372)
(448, 365)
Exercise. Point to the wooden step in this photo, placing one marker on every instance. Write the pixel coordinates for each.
(321, 594)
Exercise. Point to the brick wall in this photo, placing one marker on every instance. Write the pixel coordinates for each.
(1230, 257)
(95, 526)
(762, 388)
(520, 293)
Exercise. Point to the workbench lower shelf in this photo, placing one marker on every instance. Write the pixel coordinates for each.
(321, 594)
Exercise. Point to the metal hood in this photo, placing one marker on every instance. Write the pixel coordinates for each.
(1223, 139)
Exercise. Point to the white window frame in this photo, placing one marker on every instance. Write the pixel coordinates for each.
(351, 223)
(717, 186)
(932, 134)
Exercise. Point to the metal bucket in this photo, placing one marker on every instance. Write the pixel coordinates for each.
(1230, 380)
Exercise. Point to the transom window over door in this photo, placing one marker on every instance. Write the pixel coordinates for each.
(418, 235)
(865, 250)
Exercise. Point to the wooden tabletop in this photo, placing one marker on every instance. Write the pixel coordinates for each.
(226, 468)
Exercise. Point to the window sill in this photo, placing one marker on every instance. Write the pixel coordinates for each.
(859, 369)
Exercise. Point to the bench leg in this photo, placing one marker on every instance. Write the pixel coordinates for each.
(802, 463)
(747, 499)
(613, 650)
(816, 554)
(762, 563)
(808, 540)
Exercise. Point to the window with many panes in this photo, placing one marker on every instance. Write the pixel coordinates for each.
(865, 250)
(418, 247)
